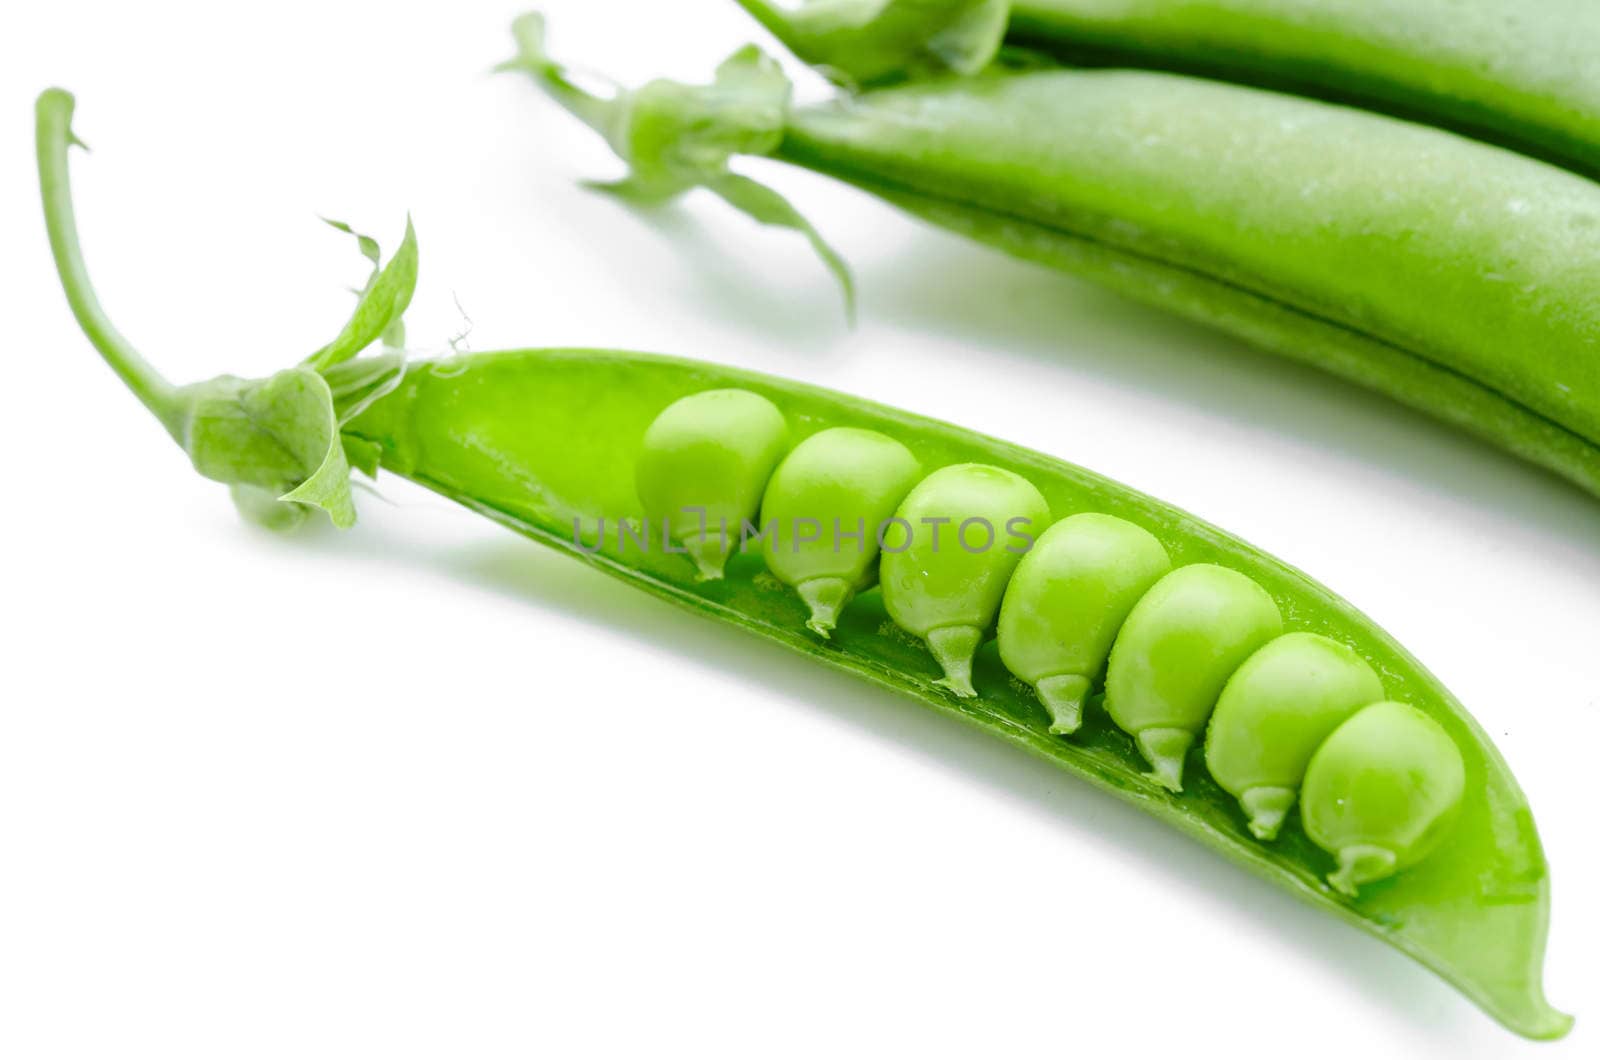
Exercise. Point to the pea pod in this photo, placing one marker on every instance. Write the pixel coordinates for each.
(1512, 72)
(1465, 290)
(494, 431)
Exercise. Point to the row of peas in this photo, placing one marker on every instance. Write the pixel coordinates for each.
(1200, 648)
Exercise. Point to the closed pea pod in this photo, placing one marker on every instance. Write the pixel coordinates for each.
(1275, 712)
(823, 511)
(1465, 290)
(704, 464)
(1066, 602)
(1176, 651)
(948, 555)
(1381, 792)
(1517, 72)
(1514, 72)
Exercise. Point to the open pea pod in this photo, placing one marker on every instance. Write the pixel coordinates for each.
(494, 433)
(1452, 276)
(549, 443)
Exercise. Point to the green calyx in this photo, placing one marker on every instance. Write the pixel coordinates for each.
(676, 137)
(864, 42)
(274, 442)
(270, 439)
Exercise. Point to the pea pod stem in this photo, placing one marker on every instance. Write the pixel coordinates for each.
(676, 138)
(597, 112)
(274, 442)
(54, 138)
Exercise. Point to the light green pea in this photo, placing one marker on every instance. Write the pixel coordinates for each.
(1381, 792)
(1067, 601)
(823, 511)
(954, 544)
(1178, 648)
(705, 462)
(1273, 715)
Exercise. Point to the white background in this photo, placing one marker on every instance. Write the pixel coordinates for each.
(423, 789)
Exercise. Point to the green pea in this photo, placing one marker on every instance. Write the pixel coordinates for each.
(823, 511)
(705, 462)
(1273, 715)
(1178, 648)
(1067, 601)
(947, 556)
(1381, 792)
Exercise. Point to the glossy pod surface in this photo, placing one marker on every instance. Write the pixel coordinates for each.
(1464, 291)
(494, 432)
(1480, 263)
(1517, 72)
